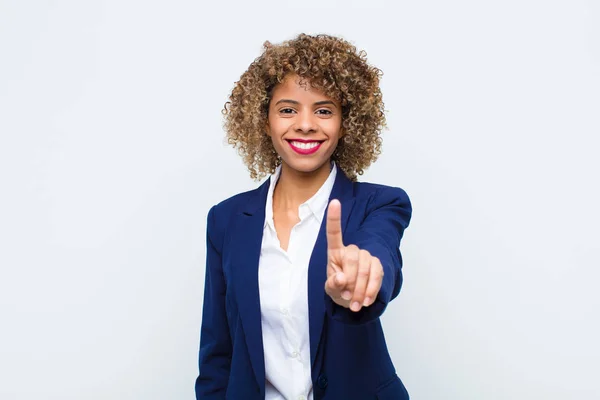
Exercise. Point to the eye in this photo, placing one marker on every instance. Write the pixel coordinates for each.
(286, 110)
(324, 111)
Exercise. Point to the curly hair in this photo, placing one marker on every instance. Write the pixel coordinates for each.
(330, 65)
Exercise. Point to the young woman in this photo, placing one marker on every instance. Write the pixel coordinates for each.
(299, 270)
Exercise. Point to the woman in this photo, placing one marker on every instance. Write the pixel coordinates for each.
(300, 269)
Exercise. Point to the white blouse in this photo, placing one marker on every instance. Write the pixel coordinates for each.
(283, 288)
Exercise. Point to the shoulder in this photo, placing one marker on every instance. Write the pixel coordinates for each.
(382, 201)
(381, 194)
(220, 214)
(238, 202)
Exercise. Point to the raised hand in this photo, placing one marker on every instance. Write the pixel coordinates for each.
(354, 276)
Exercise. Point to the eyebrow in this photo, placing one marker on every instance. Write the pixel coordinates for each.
(317, 103)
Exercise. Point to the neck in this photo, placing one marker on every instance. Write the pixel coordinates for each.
(294, 187)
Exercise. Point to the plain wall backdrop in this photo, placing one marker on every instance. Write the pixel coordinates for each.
(112, 152)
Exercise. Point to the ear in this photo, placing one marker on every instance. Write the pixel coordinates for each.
(268, 129)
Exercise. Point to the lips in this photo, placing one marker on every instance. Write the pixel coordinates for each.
(305, 147)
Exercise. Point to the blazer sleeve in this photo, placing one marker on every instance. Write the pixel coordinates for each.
(215, 340)
(388, 215)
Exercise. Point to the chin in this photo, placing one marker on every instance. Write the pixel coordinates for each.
(305, 166)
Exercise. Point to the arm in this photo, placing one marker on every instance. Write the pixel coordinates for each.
(215, 340)
(388, 215)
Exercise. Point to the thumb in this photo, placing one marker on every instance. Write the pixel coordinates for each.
(334, 285)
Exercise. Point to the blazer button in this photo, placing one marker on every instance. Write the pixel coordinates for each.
(322, 381)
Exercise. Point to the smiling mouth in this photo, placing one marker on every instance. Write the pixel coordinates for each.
(305, 146)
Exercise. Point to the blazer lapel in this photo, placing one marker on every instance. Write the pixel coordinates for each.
(317, 270)
(247, 238)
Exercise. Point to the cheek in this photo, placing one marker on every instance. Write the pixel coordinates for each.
(278, 126)
(334, 129)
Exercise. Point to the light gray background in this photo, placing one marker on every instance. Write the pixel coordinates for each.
(112, 152)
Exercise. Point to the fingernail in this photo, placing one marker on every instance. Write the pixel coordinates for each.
(367, 302)
(355, 306)
(346, 295)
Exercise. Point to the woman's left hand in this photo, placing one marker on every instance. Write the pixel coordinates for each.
(354, 276)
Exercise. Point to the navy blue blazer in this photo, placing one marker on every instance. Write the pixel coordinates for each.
(348, 352)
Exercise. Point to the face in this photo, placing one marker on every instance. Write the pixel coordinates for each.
(304, 125)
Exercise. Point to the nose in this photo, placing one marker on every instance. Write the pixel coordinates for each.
(305, 122)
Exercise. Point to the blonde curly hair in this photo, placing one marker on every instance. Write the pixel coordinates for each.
(330, 65)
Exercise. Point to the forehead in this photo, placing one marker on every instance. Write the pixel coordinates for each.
(299, 89)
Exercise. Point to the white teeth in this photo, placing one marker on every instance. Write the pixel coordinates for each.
(302, 145)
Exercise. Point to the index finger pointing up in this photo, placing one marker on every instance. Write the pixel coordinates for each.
(334, 225)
